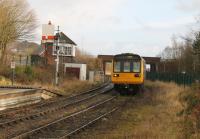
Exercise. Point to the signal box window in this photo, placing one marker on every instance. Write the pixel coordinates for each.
(136, 66)
(127, 67)
(117, 66)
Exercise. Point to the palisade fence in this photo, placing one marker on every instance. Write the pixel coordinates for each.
(179, 78)
(22, 60)
(29, 60)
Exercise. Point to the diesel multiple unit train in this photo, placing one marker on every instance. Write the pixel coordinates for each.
(128, 72)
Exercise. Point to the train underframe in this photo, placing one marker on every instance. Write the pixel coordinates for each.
(129, 89)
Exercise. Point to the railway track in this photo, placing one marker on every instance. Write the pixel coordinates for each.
(46, 113)
(50, 108)
(21, 111)
(69, 125)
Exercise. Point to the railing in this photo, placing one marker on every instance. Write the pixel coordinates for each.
(179, 78)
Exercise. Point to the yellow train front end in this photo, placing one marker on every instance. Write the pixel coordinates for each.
(128, 72)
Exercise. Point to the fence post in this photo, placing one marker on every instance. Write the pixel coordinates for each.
(20, 59)
(26, 60)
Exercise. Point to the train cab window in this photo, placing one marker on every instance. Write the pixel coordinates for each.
(136, 66)
(117, 66)
(127, 66)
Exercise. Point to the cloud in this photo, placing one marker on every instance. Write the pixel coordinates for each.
(188, 5)
(117, 47)
(115, 26)
(78, 16)
(184, 21)
(76, 12)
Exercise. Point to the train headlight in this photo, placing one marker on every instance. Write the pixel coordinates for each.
(137, 75)
(116, 75)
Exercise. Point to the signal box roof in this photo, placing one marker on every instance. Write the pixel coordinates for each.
(64, 39)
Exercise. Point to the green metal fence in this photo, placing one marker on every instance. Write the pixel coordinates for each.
(179, 78)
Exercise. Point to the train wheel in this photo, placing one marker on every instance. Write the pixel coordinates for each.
(141, 88)
(121, 93)
(116, 87)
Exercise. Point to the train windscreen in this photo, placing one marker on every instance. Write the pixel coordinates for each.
(136, 66)
(127, 63)
(117, 66)
(127, 66)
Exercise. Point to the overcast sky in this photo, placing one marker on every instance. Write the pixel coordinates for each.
(144, 27)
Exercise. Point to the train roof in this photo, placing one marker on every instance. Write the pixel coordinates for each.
(124, 56)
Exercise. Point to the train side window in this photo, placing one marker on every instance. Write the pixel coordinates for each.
(127, 66)
(136, 66)
(117, 66)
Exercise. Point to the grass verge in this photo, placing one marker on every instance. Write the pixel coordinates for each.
(72, 86)
(151, 115)
(43, 77)
(190, 100)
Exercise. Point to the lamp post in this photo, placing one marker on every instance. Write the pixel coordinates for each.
(184, 76)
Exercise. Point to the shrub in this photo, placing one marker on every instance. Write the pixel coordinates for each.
(5, 71)
(190, 99)
(28, 71)
(43, 75)
(19, 70)
(4, 81)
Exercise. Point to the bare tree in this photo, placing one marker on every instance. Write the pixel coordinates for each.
(196, 50)
(17, 22)
(84, 57)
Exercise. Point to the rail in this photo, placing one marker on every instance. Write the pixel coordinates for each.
(26, 134)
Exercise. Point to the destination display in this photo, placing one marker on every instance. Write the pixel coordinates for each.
(127, 57)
